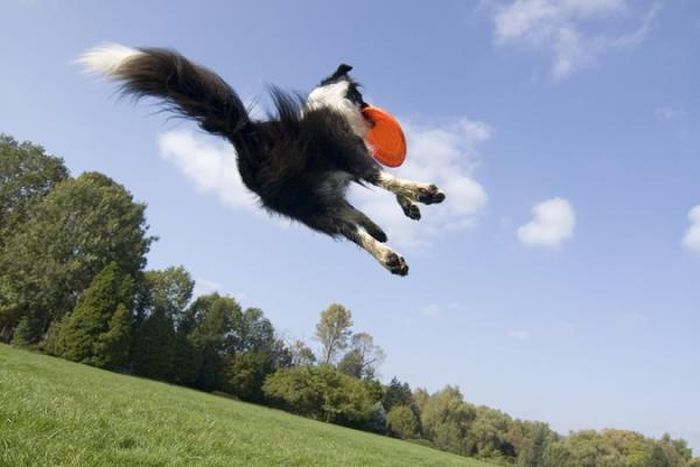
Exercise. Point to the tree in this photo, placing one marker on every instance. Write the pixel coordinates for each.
(253, 331)
(301, 354)
(152, 353)
(166, 292)
(186, 356)
(214, 337)
(257, 354)
(113, 346)
(27, 174)
(333, 331)
(52, 342)
(446, 419)
(80, 227)
(169, 290)
(397, 394)
(97, 332)
(321, 392)
(22, 336)
(530, 441)
(403, 422)
(488, 434)
(246, 373)
(363, 358)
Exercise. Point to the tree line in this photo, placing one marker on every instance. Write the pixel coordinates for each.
(74, 284)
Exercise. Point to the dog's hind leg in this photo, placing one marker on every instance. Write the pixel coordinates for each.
(358, 217)
(343, 220)
(382, 253)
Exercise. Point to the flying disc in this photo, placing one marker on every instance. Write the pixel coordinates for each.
(385, 139)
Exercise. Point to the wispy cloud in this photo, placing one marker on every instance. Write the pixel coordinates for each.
(209, 163)
(553, 222)
(574, 32)
(444, 154)
(691, 240)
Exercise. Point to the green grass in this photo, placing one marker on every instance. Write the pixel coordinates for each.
(58, 413)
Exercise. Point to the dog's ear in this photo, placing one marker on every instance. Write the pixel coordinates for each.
(342, 71)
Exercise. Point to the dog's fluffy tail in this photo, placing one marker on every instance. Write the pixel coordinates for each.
(187, 89)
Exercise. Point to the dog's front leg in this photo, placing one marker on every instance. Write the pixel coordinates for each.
(409, 192)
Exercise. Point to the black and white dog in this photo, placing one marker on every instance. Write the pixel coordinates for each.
(299, 163)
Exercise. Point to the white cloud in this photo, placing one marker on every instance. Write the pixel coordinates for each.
(569, 29)
(691, 240)
(441, 154)
(210, 163)
(553, 222)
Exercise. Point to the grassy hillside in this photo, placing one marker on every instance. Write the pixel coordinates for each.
(57, 413)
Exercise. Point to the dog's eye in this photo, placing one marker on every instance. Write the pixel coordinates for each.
(354, 96)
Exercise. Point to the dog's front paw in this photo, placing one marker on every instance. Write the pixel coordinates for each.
(430, 195)
(396, 264)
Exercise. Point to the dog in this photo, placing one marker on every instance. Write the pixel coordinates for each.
(299, 162)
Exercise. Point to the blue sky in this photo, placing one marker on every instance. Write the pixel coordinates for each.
(559, 281)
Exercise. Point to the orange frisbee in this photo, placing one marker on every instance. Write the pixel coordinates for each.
(385, 138)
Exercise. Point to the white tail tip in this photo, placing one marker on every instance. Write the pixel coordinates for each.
(107, 59)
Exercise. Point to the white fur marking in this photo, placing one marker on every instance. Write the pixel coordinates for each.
(333, 96)
(107, 59)
(406, 188)
(376, 249)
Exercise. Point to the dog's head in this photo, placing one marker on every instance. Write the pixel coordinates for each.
(341, 93)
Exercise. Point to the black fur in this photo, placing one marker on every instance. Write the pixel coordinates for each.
(301, 160)
(298, 163)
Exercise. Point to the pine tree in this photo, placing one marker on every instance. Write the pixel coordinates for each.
(85, 330)
(113, 346)
(152, 353)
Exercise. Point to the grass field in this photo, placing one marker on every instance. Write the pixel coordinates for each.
(58, 413)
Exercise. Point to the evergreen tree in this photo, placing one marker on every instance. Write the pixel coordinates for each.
(113, 346)
(152, 354)
(96, 326)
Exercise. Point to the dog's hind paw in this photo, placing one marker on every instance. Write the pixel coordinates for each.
(396, 264)
(430, 195)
